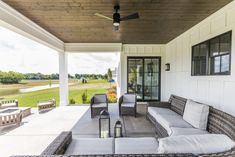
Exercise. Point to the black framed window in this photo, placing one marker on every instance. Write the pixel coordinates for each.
(213, 56)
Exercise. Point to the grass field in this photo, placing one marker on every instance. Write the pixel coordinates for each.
(76, 89)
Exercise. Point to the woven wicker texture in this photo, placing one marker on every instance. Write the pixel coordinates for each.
(178, 104)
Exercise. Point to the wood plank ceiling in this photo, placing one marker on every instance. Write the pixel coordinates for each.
(73, 21)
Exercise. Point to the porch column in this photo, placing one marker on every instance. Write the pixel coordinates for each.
(63, 72)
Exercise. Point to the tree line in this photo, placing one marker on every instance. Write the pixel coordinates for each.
(16, 77)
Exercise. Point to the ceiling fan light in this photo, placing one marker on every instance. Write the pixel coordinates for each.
(116, 23)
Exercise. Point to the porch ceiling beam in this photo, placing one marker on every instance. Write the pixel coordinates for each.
(15, 21)
(93, 47)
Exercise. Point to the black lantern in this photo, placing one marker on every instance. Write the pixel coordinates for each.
(168, 66)
(118, 129)
(104, 124)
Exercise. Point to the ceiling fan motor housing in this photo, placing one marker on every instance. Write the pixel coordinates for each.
(116, 19)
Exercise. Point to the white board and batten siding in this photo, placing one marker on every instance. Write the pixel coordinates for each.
(218, 91)
(141, 50)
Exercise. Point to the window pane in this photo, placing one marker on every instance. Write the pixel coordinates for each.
(155, 93)
(196, 51)
(147, 92)
(155, 65)
(197, 67)
(225, 44)
(216, 64)
(225, 63)
(214, 47)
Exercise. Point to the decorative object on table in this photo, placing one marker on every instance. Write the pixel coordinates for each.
(99, 102)
(104, 124)
(118, 129)
(127, 104)
(8, 103)
(46, 105)
(168, 67)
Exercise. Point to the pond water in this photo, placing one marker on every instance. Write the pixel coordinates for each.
(37, 88)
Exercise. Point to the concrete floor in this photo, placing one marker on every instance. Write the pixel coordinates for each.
(39, 130)
(133, 127)
(34, 135)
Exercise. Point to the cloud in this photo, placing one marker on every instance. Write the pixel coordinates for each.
(20, 54)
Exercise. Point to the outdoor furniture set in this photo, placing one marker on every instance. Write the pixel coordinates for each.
(127, 104)
(184, 128)
(46, 105)
(11, 114)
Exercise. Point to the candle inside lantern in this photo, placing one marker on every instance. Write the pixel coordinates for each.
(118, 132)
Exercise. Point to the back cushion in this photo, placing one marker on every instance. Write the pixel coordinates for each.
(196, 114)
(177, 104)
(129, 98)
(100, 98)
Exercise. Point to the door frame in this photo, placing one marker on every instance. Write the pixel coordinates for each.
(159, 76)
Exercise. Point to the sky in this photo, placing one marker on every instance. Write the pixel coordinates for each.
(20, 54)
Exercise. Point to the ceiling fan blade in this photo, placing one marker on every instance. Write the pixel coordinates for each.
(130, 17)
(103, 16)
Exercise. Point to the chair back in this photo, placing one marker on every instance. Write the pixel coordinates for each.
(129, 98)
(100, 98)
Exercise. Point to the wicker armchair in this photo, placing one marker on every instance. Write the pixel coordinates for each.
(127, 104)
(8, 103)
(99, 102)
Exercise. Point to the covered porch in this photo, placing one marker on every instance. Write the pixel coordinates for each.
(191, 43)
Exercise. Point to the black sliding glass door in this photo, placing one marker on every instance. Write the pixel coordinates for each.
(144, 77)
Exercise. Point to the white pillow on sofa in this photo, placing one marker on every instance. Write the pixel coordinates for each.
(196, 114)
(196, 144)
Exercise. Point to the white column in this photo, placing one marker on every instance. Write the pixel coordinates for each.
(63, 70)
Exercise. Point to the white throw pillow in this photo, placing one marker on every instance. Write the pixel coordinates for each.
(196, 114)
(196, 144)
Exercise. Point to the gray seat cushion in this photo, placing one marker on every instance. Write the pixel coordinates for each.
(159, 110)
(147, 145)
(98, 105)
(89, 146)
(168, 121)
(125, 104)
(187, 131)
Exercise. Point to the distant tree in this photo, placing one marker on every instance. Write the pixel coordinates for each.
(110, 77)
(11, 77)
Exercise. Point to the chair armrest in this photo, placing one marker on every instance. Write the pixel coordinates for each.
(17, 103)
(120, 101)
(92, 101)
(159, 104)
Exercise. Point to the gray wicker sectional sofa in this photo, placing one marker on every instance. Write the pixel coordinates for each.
(218, 123)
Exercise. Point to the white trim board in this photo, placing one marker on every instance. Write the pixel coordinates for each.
(92, 47)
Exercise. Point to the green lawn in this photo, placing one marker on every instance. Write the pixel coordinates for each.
(75, 92)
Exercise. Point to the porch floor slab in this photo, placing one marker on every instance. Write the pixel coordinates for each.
(33, 137)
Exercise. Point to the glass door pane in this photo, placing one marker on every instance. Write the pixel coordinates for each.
(135, 77)
(144, 77)
(151, 78)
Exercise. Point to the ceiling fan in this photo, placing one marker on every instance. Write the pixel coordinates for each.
(117, 18)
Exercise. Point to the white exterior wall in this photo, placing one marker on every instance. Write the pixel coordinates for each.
(141, 50)
(218, 91)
